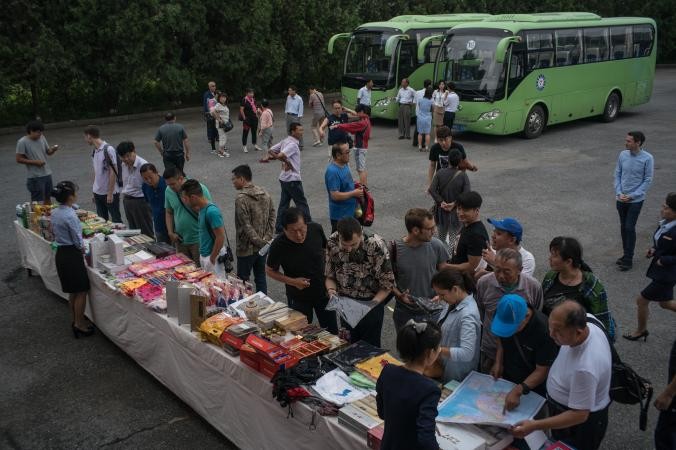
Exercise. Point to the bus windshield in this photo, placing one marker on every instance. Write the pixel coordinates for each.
(365, 59)
(468, 60)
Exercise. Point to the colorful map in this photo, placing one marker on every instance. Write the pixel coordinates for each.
(480, 399)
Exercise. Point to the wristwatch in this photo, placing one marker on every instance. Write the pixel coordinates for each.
(526, 389)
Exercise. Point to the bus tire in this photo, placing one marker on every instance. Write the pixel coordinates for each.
(612, 108)
(536, 120)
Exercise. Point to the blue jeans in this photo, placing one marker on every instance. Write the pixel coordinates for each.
(257, 263)
(629, 213)
(291, 190)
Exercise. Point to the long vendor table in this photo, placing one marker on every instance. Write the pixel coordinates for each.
(236, 400)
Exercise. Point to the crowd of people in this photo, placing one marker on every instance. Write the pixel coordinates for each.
(464, 299)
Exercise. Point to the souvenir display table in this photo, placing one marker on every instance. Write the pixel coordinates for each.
(233, 398)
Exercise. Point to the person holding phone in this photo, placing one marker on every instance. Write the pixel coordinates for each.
(32, 151)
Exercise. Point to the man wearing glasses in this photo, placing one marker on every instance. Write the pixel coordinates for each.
(415, 258)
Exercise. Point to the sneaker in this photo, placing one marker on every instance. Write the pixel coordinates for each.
(244, 149)
(316, 144)
(220, 155)
(226, 154)
(258, 149)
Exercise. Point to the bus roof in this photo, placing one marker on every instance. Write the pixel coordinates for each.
(518, 22)
(407, 22)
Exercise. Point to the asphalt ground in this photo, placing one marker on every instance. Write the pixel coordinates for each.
(58, 392)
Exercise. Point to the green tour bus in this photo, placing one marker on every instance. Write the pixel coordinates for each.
(386, 52)
(522, 72)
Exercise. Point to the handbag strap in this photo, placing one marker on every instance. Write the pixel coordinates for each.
(322, 103)
(211, 232)
(445, 185)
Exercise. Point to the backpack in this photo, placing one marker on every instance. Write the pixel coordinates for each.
(109, 162)
(626, 386)
(367, 205)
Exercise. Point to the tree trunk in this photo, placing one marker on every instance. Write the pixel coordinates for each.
(35, 101)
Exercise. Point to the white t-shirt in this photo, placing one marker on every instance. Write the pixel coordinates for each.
(528, 262)
(451, 103)
(580, 376)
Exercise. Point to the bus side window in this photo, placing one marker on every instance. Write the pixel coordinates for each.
(643, 40)
(540, 47)
(568, 47)
(620, 42)
(595, 44)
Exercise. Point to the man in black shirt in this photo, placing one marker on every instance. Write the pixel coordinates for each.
(473, 237)
(525, 351)
(439, 154)
(300, 252)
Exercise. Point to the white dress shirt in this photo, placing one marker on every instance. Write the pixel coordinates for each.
(406, 96)
(131, 178)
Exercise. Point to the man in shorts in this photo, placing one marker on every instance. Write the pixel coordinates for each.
(32, 151)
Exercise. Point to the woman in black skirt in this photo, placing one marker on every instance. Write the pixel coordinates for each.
(69, 262)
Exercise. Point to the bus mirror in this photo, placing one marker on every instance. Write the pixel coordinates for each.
(501, 50)
(334, 38)
(391, 43)
(424, 43)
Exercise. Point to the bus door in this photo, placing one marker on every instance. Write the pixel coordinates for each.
(516, 73)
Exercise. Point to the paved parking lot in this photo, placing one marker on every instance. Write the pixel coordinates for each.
(61, 393)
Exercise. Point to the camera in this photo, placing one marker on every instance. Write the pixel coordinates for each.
(227, 260)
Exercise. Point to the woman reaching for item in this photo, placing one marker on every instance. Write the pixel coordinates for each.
(460, 326)
(410, 413)
(69, 262)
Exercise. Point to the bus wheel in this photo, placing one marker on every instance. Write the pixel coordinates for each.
(612, 108)
(535, 122)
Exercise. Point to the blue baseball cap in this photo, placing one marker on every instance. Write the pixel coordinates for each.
(511, 311)
(510, 225)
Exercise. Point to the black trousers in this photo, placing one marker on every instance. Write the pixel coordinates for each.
(173, 160)
(370, 327)
(585, 436)
(326, 319)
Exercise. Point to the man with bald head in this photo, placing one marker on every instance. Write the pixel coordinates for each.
(578, 383)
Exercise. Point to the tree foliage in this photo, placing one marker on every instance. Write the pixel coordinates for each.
(69, 59)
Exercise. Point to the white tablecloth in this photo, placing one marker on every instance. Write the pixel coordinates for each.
(233, 398)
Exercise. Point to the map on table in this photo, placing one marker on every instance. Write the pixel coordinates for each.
(480, 399)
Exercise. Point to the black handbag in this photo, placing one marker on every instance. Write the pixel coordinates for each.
(226, 126)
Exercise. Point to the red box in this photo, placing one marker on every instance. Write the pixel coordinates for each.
(262, 345)
(375, 437)
(269, 368)
(249, 357)
(231, 340)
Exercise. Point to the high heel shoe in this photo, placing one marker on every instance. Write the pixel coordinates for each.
(77, 332)
(632, 337)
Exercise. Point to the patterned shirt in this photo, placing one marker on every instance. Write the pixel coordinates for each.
(359, 274)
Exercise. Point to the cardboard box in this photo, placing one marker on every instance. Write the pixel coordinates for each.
(231, 340)
(269, 367)
(261, 345)
(198, 310)
(171, 295)
(249, 357)
(184, 293)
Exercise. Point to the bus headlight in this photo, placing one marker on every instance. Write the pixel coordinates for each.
(490, 115)
(385, 102)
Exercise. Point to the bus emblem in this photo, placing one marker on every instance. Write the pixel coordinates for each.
(540, 82)
(471, 44)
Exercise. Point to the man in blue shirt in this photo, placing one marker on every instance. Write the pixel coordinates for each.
(211, 227)
(633, 176)
(294, 111)
(153, 189)
(340, 186)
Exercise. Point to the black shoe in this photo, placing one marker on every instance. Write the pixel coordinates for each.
(402, 137)
(624, 267)
(77, 332)
(636, 337)
(620, 261)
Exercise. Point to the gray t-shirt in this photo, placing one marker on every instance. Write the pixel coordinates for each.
(171, 134)
(34, 150)
(417, 265)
